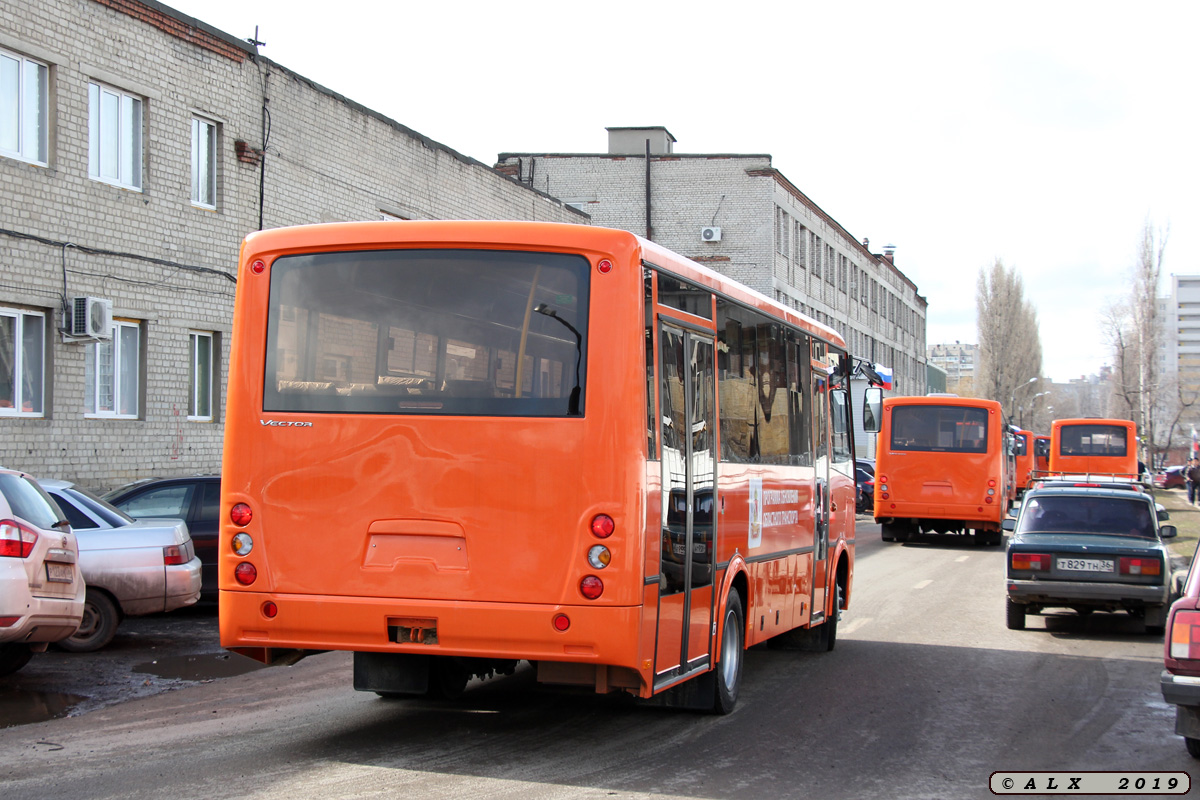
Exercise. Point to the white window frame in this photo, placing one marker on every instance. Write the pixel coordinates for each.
(113, 391)
(28, 380)
(200, 392)
(204, 163)
(115, 120)
(28, 102)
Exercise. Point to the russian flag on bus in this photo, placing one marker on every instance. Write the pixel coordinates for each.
(886, 374)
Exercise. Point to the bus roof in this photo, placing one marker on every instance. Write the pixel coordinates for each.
(502, 233)
(942, 400)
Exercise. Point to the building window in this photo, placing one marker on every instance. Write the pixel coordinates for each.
(200, 383)
(114, 137)
(112, 374)
(22, 362)
(23, 108)
(204, 163)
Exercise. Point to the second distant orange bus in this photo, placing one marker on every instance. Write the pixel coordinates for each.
(1095, 447)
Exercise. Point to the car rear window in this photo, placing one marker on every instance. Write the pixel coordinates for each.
(1113, 516)
(28, 501)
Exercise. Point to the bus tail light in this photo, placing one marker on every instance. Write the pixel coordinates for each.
(599, 556)
(561, 622)
(16, 540)
(603, 526)
(269, 610)
(245, 573)
(241, 515)
(242, 544)
(1037, 562)
(591, 587)
(1140, 566)
(1185, 634)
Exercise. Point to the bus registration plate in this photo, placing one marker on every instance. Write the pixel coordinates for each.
(1085, 564)
(58, 573)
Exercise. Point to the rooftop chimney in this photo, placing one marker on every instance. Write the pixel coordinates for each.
(889, 253)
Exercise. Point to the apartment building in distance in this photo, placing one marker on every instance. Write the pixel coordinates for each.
(739, 215)
(138, 146)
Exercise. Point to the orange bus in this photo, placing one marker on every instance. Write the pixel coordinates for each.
(454, 447)
(1041, 453)
(1024, 447)
(1095, 448)
(941, 466)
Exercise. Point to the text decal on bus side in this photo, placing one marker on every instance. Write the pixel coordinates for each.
(274, 423)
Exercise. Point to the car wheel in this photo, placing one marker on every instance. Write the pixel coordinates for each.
(1016, 615)
(1193, 746)
(13, 656)
(99, 624)
(729, 667)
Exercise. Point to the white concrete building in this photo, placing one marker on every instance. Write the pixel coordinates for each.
(739, 215)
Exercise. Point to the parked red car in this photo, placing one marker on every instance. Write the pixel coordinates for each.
(1181, 676)
(1170, 478)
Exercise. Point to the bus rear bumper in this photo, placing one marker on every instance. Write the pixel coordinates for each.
(304, 624)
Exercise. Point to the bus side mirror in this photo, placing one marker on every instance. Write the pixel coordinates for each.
(872, 409)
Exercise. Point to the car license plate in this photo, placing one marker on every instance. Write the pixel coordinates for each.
(1085, 564)
(59, 573)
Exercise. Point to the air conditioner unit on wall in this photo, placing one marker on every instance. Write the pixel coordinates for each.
(710, 234)
(91, 317)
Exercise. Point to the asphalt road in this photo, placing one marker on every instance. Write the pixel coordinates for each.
(926, 695)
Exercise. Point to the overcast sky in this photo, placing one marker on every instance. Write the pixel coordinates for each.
(1046, 134)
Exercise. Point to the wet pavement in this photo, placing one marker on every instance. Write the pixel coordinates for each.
(149, 655)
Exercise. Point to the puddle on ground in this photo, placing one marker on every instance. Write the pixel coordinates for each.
(21, 707)
(202, 667)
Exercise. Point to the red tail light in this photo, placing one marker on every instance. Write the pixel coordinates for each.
(175, 554)
(591, 587)
(8, 622)
(1185, 634)
(245, 573)
(1039, 562)
(241, 515)
(561, 622)
(16, 540)
(1140, 566)
(603, 526)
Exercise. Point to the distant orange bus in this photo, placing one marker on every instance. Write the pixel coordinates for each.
(1096, 447)
(1041, 453)
(1025, 458)
(452, 447)
(941, 466)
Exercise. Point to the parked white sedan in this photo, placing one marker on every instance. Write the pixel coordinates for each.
(131, 567)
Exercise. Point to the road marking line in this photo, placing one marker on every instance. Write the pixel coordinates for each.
(961, 558)
(857, 623)
(923, 584)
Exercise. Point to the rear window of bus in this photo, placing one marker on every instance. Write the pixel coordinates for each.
(463, 332)
(942, 429)
(1094, 440)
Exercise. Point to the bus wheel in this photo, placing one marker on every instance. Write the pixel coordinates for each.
(729, 667)
(894, 532)
(831, 625)
(447, 678)
(1016, 615)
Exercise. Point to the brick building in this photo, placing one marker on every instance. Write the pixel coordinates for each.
(741, 216)
(138, 146)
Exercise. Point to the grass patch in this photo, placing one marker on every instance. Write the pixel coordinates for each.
(1185, 517)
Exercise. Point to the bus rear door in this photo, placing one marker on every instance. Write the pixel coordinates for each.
(689, 530)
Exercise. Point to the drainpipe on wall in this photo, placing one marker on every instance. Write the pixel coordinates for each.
(649, 228)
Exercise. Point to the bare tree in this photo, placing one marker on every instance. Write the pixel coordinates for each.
(1010, 346)
(1135, 331)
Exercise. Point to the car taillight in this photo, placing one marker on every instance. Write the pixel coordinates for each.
(1185, 634)
(1039, 562)
(1140, 566)
(175, 554)
(16, 540)
(8, 622)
